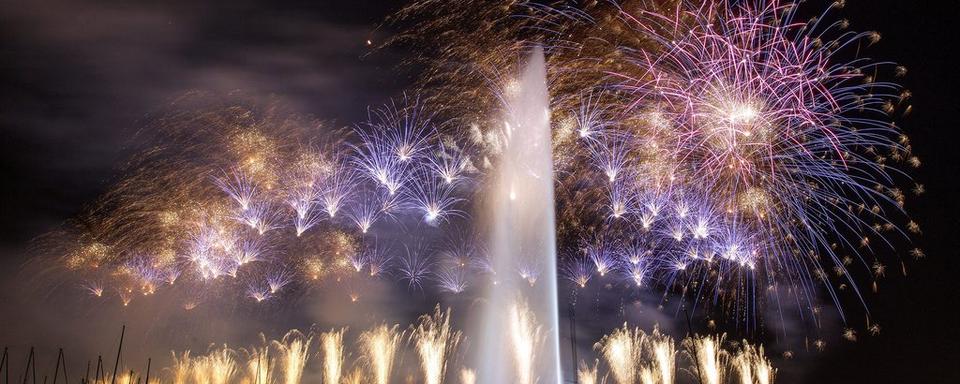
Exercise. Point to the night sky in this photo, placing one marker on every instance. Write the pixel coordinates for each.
(77, 79)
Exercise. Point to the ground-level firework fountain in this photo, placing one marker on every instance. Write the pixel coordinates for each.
(520, 315)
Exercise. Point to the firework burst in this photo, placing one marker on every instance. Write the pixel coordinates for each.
(715, 150)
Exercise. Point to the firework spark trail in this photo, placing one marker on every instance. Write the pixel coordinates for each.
(526, 338)
(647, 375)
(660, 349)
(709, 360)
(377, 259)
(450, 163)
(435, 342)
(602, 255)
(379, 347)
(354, 377)
(267, 221)
(331, 343)
(294, 351)
(337, 187)
(415, 266)
(367, 212)
(260, 366)
(578, 271)
(452, 279)
(181, 367)
(433, 198)
(587, 374)
(622, 351)
(217, 367)
(752, 366)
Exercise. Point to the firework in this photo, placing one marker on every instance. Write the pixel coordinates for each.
(331, 343)
(752, 366)
(756, 143)
(338, 184)
(217, 367)
(433, 198)
(626, 355)
(526, 338)
(578, 271)
(294, 351)
(709, 360)
(355, 377)
(379, 347)
(452, 279)
(722, 147)
(763, 111)
(661, 350)
(450, 163)
(260, 365)
(181, 367)
(415, 266)
(435, 342)
(587, 374)
(367, 211)
(377, 259)
(622, 351)
(601, 253)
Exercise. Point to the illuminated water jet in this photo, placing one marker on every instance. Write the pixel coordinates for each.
(521, 223)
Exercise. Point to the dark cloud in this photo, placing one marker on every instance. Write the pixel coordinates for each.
(79, 77)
